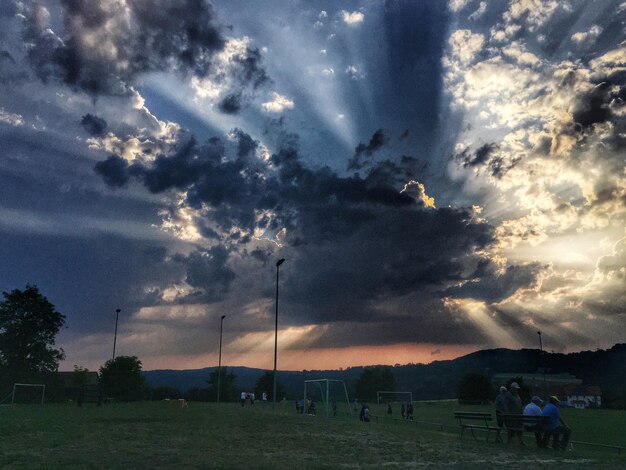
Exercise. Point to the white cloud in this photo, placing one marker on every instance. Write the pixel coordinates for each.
(534, 13)
(352, 18)
(353, 72)
(465, 45)
(11, 119)
(329, 72)
(482, 8)
(322, 15)
(457, 5)
(278, 104)
(588, 37)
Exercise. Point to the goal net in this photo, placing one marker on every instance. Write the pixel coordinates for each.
(28, 394)
(393, 397)
(325, 397)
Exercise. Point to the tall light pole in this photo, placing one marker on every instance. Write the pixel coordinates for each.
(117, 315)
(219, 367)
(278, 263)
(545, 388)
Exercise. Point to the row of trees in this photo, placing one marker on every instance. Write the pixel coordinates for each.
(29, 324)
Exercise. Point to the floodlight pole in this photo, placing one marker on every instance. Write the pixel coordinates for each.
(278, 263)
(117, 314)
(219, 366)
(543, 362)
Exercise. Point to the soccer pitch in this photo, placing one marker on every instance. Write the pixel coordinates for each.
(163, 435)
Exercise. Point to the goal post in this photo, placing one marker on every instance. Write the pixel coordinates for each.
(333, 394)
(393, 397)
(28, 393)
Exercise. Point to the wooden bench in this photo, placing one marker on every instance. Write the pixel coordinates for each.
(522, 424)
(475, 421)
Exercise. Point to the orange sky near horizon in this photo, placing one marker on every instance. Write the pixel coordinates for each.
(316, 358)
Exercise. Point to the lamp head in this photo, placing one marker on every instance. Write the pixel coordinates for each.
(117, 310)
(280, 261)
(223, 316)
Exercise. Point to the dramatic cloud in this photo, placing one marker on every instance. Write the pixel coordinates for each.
(378, 140)
(278, 104)
(104, 47)
(11, 119)
(94, 125)
(352, 18)
(447, 178)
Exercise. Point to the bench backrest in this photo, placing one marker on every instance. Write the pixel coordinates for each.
(472, 415)
(518, 421)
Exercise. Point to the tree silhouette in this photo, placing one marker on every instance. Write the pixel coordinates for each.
(120, 378)
(228, 386)
(265, 383)
(475, 388)
(29, 324)
(372, 380)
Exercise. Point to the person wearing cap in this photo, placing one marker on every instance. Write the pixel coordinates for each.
(555, 426)
(500, 410)
(514, 407)
(533, 409)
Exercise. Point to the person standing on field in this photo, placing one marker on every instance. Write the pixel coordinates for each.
(501, 409)
(514, 407)
(243, 399)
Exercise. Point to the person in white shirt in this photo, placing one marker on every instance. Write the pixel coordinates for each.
(243, 398)
(534, 409)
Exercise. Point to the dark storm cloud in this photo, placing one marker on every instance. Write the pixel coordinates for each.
(105, 45)
(487, 156)
(236, 187)
(207, 273)
(487, 284)
(594, 106)
(94, 125)
(231, 104)
(477, 158)
(354, 241)
(378, 140)
(114, 171)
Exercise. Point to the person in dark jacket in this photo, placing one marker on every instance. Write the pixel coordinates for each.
(514, 407)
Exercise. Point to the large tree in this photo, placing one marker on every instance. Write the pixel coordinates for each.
(475, 388)
(228, 385)
(121, 378)
(374, 379)
(29, 324)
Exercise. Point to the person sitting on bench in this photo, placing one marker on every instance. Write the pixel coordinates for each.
(555, 427)
(533, 409)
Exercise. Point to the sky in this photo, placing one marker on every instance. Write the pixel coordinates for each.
(439, 177)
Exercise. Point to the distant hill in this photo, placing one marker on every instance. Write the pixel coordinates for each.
(439, 379)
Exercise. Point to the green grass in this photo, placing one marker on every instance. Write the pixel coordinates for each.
(600, 426)
(159, 435)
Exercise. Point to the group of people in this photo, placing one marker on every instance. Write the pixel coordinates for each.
(509, 402)
(248, 397)
(305, 406)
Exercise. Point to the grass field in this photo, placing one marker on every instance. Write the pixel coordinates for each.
(160, 435)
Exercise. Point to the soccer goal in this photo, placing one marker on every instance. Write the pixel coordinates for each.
(28, 394)
(394, 397)
(330, 398)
